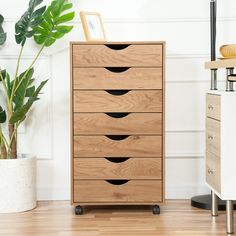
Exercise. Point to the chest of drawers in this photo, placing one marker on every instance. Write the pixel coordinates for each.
(117, 124)
(221, 143)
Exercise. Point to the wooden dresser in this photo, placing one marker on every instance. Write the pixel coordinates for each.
(117, 124)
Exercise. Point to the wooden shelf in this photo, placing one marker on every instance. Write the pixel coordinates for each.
(226, 63)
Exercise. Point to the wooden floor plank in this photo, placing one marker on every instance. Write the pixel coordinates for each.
(53, 218)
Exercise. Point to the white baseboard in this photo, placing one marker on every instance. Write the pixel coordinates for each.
(185, 191)
(47, 193)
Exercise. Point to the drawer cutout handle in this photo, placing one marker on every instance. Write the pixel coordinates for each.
(117, 137)
(117, 46)
(117, 92)
(117, 182)
(117, 69)
(117, 115)
(210, 107)
(210, 136)
(210, 171)
(117, 159)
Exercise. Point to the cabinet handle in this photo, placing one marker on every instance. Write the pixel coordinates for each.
(210, 137)
(117, 92)
(117, 137)
(210, 171)
(117, 69)
(117, 159)
(117, 46)
(210, 107)
(117, 115)
(117, 182)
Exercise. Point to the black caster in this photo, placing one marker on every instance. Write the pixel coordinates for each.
(156, 210)
(78, 210)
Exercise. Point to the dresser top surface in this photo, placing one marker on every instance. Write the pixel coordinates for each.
(123, 42)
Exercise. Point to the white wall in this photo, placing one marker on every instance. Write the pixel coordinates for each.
(184, 25)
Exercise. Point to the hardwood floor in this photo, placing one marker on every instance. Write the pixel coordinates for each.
(57, 218)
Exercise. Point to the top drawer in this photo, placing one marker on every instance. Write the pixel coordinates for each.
(213, 106)
(117, 55)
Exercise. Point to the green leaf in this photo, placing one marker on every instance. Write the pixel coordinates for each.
(3, 116)
(20, 113)
(20, 93)
(29, 20)
(3, 75)
(50, 29)
(65, 18)
(3, 35)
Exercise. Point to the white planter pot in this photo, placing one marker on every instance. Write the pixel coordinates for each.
(18, 184)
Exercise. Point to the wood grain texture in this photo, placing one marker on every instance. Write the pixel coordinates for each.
(226, 63)
(213, 136)
(213, 171)
(56, 218)
(132, 56)
(133, 101)
(103, 124)
(213, 106)
(133, 168)
(100, 191)
(102, 78)
(133, 146)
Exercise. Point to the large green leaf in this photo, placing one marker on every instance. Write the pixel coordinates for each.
(24, 28)
(20, 93)
(50, 29)
(19, 114)
(3, 35)
(2, 115)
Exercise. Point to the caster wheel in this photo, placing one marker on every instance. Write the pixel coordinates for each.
(78, 210)
(156, 210)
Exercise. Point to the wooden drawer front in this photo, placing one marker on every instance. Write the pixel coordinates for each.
(132, 101)
(103, 56)
(134, 191)
(213, 171)
(125, 123)
(132, 146)
(117, 168)
(117, 78)
(213, 136)
(213, 106)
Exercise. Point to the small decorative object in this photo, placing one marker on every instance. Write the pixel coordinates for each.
(228, 51)
(45, 24)
(93, 27)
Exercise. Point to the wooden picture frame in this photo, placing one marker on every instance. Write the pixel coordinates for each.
(93, 27)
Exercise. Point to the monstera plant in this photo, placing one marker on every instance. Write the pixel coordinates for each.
(18, 93)
(45, 25)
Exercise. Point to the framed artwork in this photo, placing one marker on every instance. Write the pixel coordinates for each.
(93, 27)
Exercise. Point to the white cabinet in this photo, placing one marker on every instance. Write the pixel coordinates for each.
(221, 143)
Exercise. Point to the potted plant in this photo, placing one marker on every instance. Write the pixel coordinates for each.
(45, 24)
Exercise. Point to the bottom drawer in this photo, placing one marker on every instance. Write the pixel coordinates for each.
(213, 171)
(118, 191)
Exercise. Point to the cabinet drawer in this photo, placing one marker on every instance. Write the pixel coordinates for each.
(133, 191)
(117, 168)
(213, 136)
(117, 55)
(118, 101)
(213, 106)
(131, 146)
(213, 171)
(117, 123)
(117, 78)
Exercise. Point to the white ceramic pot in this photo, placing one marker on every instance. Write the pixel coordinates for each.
(18, 184)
